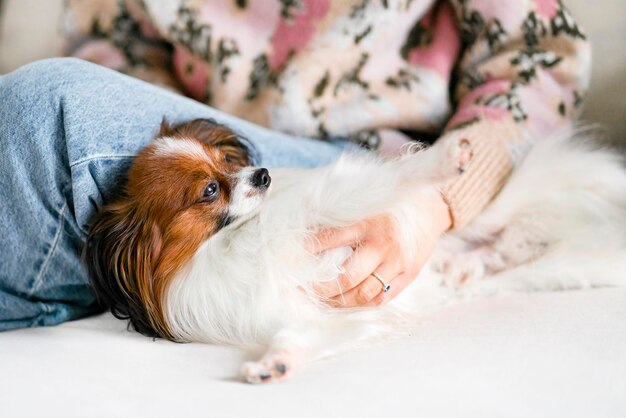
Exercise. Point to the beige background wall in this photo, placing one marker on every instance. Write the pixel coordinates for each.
(28, 31)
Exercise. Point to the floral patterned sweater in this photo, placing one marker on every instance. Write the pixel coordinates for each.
(499, 73)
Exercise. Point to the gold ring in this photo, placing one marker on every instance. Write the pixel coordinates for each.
(386, 286)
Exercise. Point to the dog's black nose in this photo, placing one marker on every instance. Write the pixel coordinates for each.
(261, 178)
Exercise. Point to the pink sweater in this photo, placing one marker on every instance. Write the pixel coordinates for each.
(500, 73)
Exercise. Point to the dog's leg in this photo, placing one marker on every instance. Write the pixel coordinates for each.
(462, 268)
(287, 351)
(461, 261)
(294, 346)
(560, 268)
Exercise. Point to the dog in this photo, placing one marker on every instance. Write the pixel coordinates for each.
(201, 246)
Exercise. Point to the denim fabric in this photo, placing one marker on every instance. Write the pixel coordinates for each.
(68, 132)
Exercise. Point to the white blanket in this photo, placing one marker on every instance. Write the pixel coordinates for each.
(540, 355)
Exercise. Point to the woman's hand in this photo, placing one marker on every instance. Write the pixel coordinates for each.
(378, 250)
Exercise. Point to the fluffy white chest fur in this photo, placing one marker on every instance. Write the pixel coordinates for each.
(559, 223)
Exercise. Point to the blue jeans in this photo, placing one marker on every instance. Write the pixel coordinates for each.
(68, 133)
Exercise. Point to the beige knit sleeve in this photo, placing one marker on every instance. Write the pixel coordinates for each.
(487, 171)
(523, 73)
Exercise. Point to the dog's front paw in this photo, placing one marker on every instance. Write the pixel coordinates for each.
(267, 370)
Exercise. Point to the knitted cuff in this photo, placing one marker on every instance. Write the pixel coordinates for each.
(486, 172)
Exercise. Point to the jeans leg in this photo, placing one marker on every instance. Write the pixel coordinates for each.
(68, 134)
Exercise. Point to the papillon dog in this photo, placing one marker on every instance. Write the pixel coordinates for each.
(202, 246)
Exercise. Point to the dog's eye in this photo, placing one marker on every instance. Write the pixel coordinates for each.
(228, 158)
(212, 189)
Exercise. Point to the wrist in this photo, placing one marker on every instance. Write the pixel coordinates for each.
(442, 218)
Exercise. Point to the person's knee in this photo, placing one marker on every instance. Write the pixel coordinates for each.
(44, 79)
(52, 70)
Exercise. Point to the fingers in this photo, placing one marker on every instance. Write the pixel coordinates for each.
(357, 268)
(378, 250)
(361, 295)
(413, 269)
(335, 237)
(370, 288)
(366, 291)
(398, 284)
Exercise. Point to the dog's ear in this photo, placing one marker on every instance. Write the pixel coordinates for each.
(120, 253)
(238, 149)
(165, 129)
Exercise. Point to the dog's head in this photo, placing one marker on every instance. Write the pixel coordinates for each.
(192, 181)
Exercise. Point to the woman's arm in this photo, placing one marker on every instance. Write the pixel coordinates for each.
(119, 35)
(523, 72)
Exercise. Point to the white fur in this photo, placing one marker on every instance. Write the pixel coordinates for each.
(245, 198)
(558, 224)
(172, 147)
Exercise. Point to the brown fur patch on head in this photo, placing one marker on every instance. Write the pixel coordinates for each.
(137, 243)
(212, 134)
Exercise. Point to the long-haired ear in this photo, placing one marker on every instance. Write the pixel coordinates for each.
(239, 149)
(120, 254)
